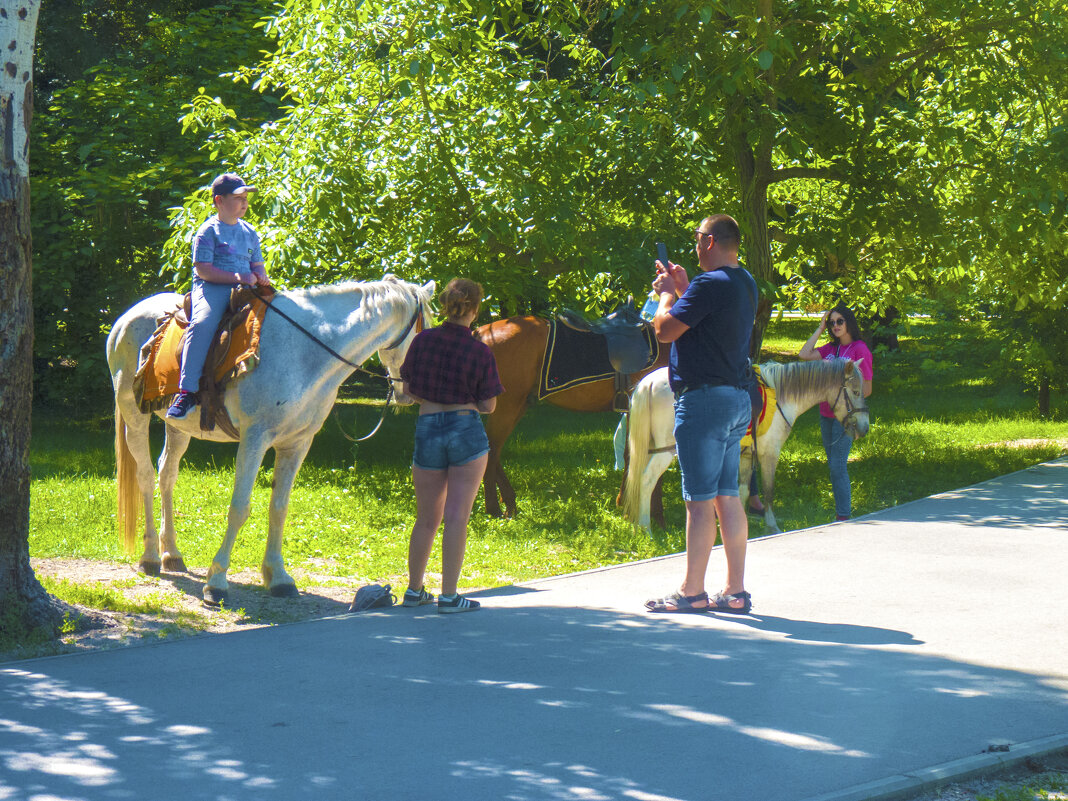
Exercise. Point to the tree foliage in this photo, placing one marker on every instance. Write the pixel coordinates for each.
(540, 147)
(871, 150)
(109, 162)
(432, 139)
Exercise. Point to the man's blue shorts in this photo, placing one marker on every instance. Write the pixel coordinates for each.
(710, 422)
(444, 439)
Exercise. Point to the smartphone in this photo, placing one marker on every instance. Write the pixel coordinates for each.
(661, 253)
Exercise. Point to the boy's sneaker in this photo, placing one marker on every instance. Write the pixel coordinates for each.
(418, 597)
(450, 604)
(183, 404)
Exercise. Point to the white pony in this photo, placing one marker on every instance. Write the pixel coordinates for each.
(798, 386)
(281, 404)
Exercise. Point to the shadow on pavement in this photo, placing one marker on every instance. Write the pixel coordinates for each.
(519, 704)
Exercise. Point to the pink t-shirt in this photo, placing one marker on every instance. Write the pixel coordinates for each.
(855, 350)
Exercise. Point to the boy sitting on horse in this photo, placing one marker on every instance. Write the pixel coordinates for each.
(226, 252)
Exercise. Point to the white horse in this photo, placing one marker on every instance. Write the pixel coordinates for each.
(798, 386)
(281, 404)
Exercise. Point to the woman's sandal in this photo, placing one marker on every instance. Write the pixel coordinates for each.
(721, 602)
(677, 602)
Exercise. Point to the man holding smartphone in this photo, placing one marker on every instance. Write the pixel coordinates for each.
(709, 323)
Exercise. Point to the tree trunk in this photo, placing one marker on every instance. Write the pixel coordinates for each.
(24, 600)
(1043, 396)
(754, 170)
(881, 329)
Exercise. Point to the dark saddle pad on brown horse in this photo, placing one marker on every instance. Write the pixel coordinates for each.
(579, 351)
(234, 352)
(629, 339)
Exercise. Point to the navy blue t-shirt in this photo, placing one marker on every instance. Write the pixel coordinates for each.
(719, 306)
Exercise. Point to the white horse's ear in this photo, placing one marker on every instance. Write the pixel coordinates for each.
(429, 288)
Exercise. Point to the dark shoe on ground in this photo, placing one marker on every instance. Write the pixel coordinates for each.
(677, 602)
(721, 602)
(183, 404)
(840, 518)
(418, 597)
(451, 604)
(755, 507)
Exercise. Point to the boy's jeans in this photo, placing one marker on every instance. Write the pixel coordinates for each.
(209, 305)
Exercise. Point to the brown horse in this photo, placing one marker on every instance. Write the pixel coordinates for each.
(518, 344)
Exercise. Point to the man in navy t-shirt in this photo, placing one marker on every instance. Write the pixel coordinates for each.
(709, 323)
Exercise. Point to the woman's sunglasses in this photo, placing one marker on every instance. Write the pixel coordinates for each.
(836, 321)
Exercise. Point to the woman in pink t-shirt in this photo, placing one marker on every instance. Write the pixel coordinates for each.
(845, 343)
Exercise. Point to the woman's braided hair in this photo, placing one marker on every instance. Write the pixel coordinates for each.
(460, 296)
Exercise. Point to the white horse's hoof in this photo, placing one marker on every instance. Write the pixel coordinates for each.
(213, 596)
(285, 591)
(149, 567)
(174, 564)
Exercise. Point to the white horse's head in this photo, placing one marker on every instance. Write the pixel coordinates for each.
(415, 317)
(850, 408)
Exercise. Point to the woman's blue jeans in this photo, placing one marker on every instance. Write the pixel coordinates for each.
(837, 443)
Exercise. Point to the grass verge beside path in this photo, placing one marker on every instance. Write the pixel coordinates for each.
(939, 422)
(1043, 779)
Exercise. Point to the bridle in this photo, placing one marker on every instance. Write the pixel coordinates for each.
(852, 409)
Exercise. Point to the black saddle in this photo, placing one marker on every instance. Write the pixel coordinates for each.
(631, 345)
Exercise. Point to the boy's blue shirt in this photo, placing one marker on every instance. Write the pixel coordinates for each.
(228, 247)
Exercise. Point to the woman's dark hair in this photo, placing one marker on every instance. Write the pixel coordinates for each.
(460, 296)
(850, 320)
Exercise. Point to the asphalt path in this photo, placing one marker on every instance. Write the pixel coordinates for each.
(883, 654)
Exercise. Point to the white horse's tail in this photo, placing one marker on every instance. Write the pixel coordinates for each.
(127, 490)
(639, 434)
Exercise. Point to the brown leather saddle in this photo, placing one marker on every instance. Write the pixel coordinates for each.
(234, 352)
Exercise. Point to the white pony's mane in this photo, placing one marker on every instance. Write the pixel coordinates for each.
(797, 382)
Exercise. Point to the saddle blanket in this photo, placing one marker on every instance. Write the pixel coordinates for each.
(235, 352)
(762, 419)
(572, 358)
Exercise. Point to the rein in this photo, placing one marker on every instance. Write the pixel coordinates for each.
(416, 318)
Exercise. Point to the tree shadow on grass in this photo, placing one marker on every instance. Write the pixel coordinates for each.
(256, 603)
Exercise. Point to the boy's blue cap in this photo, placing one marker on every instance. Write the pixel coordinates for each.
(230, 184)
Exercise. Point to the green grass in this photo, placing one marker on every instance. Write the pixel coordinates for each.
(1046, 786)
(104, 596)
(938, 423)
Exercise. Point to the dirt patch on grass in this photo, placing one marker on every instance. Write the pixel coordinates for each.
(126, 608)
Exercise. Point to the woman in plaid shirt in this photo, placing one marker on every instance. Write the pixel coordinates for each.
(453, 377)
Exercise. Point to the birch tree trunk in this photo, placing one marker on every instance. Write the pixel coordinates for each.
(24, 602)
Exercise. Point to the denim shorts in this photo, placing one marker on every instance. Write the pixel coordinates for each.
(444, 439)
(710, 422)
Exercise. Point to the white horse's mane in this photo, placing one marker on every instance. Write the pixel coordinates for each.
(798, 382)
(378, 294)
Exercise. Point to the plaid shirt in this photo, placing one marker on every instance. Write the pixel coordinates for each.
(448, 365)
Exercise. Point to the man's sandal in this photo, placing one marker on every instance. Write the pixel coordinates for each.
(677, 602)
(721, 602)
